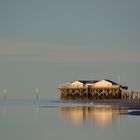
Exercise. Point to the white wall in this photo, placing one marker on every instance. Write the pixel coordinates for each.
(103, 83)
(76, 84)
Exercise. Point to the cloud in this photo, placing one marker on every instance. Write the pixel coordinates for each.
(46, 52)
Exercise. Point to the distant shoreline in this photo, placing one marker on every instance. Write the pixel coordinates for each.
(109, 102)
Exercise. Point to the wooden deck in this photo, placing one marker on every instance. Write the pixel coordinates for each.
(93, 93)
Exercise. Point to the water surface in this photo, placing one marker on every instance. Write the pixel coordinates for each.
(54, 119)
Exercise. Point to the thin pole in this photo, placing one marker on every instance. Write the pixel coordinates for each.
(5, 94)
(119, 80)
(37, 97)
(37, 94)
(5, 102)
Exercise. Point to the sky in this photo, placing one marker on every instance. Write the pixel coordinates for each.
(47, 42)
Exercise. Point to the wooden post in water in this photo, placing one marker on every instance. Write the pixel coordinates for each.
(5, 94)
(37, 92)
(36, 98)
(5, 101)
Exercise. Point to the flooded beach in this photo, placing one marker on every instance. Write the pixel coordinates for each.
(54, 119)
(86, 51)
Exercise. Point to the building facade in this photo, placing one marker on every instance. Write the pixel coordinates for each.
(92, 89)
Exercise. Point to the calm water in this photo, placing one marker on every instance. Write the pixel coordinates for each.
(53, 119)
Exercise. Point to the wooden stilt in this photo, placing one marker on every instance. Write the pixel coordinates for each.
(98, 93)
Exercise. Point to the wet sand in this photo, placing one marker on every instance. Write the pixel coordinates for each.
(117, 102)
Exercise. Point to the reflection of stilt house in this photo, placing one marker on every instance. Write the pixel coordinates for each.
(93, 89)
(103, 115)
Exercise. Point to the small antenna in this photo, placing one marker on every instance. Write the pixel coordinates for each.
(119, 79)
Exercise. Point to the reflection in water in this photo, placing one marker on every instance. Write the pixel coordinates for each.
(102, 115)
(5, 110)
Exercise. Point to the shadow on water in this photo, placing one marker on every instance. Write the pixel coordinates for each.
(133, 113)
(132, 110)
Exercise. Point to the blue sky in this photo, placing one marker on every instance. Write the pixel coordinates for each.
(67, 40)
